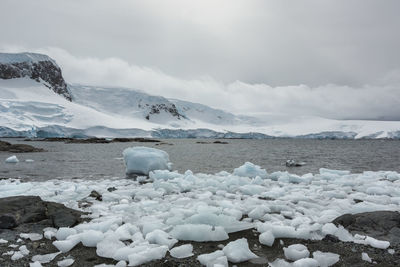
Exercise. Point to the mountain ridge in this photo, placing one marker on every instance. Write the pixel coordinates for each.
(29, 108)
(38, 67)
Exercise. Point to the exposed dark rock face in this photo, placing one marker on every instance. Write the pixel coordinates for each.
(18, 148)
(37, 67)
(20, 210)
(383, 225)
(157, 108)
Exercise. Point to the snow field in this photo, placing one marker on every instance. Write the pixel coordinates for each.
(138, 223)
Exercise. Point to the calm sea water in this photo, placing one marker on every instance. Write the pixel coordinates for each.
(93, 161)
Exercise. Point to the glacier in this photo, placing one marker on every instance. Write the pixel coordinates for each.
(37, 102)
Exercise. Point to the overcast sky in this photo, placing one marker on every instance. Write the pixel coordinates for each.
(337, 59)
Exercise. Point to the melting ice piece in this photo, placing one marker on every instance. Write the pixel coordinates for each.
(152, 253)
(181, 252)
(365, 257)
(65, 262)
(326, 259)
(266, 238)
(306, 262)
(64, 232)
(238, 251)
(296, 252)
(142, 160)
(210, 258)
(31, 236)
(250, 170)
(35, 264)
(199, 233)
(160, 237)
(46, 258)
(12, 159)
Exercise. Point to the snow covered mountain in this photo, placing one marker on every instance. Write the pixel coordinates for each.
(35, 101)
(38, 67)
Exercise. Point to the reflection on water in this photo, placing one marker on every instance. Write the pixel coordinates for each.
(92, 161)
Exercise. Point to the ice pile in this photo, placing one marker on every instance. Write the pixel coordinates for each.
(298, 254)
(142, 160)
(137, 223)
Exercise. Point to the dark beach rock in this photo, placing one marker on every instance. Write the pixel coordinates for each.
(96, 195)
(135, 139)
(18, 210)
(220, 142)
(88, 141)
(383, 225)
(202, 142)
(18, 148)
(162, 144)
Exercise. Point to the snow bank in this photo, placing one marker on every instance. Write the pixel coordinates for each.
(142, 160)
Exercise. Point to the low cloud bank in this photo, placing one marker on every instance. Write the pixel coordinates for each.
(380, 101)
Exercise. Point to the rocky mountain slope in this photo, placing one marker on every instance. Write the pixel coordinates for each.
(38, 67)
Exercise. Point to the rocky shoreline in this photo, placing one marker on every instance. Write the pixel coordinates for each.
(18, 148)
(30, 214)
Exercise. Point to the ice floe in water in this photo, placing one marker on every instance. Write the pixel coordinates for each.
(137, 223)
(142, 160)
(12, 159)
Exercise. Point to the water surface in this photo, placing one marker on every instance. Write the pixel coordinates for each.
(93, 161)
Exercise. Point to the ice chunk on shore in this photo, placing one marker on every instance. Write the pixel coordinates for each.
(68, 244)
(90, 238)
(160, 237)
(65, 232)
(35, 264)
(12, 159)
(31, 236)
(181, 252)
(210, 258)
(24, 250)
(65, 262)
(365, 257)
(238, 251)
(250, 170)
(199, 233)
(109, 246)
(296, 252)
(46, 258)
(142, 160)
(155, 253)
(367, 240)
(17, 255)
(266, 238)
(326, 259)
(306, 262)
